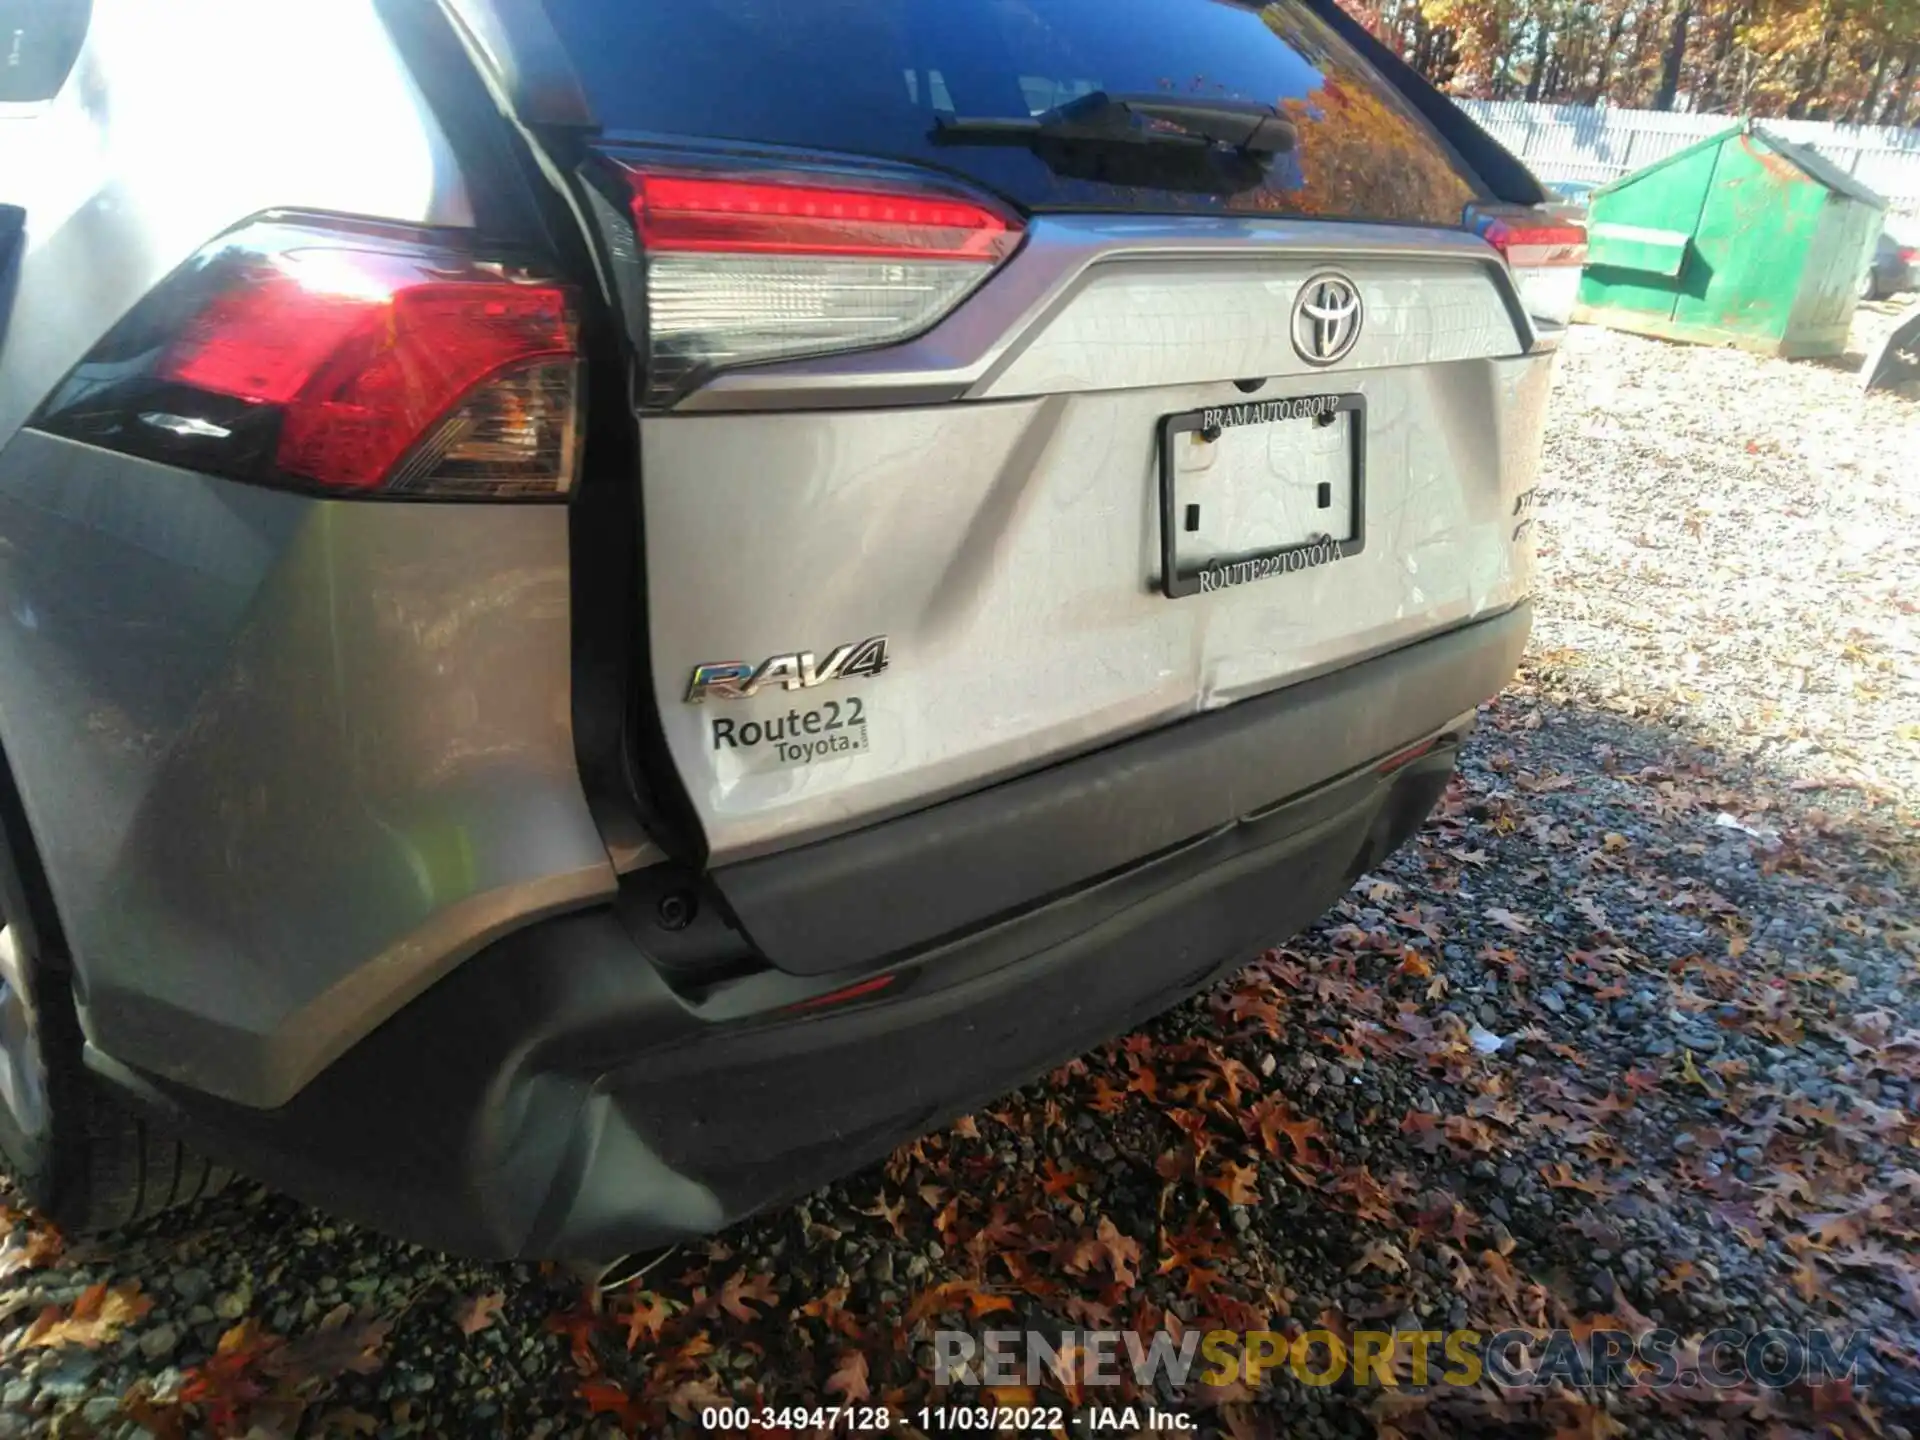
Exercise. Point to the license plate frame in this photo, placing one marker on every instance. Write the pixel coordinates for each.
(1239, 569)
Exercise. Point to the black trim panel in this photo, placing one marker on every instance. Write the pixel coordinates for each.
(896, 886)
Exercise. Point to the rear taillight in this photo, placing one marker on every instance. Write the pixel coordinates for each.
(1544, 252)
(343, 359)
(1909, 254)
(749, 268)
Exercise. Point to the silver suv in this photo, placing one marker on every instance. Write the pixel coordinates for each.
(608, 607)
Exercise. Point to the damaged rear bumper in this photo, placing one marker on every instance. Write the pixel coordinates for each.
(563, 1094)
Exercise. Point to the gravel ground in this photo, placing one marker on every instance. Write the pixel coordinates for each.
(1629, 1032)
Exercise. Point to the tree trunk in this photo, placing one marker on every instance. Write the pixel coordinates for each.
(1614, 31)
(1676, 54)
(1642, 33)
(1606, 56)
(1861, 112)
(1809, 101)
(1503, 71)
(1719, 86)
(1539, 59)
(1896, 111)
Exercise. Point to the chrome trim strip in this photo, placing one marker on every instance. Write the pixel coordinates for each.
(961, 356)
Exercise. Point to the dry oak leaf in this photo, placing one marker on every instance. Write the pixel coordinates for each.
(849, 1378)
(476, 1312)
(1382, 1255)
(1119, 1252)
(1507, 920)
(740, 1288)
(1239, 1183)
(343, 1341)
(956, 1295)
(646, 1321)
(41, 1245)
(1561, 1177)
(1273, 1119)
(96, 1317)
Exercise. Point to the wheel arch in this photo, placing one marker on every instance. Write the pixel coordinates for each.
(26, 899)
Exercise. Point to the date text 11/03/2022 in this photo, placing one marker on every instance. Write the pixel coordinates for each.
(948, 1419)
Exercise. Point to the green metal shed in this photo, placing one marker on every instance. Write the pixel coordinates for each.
(1740, 239)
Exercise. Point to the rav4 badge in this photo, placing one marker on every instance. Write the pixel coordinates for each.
(802, 670)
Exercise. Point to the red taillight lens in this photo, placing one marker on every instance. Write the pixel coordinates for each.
(343, 360)
(748, 268)
(1544, 252)
(720, 216)
(1909, 254)
(1531, 244)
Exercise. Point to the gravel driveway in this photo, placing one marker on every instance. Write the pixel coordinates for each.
(1630, 1032)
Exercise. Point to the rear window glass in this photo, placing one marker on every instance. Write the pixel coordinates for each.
(874, 77)
(39, 41)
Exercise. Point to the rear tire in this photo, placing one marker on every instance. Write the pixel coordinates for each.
(75, 1152)
(1869, 287)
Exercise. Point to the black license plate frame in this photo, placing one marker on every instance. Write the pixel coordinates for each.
(1240, 569)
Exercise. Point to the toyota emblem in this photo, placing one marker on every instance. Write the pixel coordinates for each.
(1326, 318)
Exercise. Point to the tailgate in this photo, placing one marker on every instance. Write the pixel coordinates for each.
(997, 400)
(1012, 545)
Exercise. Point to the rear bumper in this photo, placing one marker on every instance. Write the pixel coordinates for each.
(891, 888)
(557, 1094)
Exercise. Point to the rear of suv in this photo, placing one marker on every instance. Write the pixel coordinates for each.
(608, 608)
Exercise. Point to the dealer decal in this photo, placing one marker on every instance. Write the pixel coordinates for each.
(1265, 412)
(1228, 573)
(799, 737)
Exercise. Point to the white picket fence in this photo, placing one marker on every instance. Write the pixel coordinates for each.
(1584, 142)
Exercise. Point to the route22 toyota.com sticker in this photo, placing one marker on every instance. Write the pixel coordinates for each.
(827, 731)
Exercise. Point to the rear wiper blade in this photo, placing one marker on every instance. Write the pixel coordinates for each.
(1101, 119)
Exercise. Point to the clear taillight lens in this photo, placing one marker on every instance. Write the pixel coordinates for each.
(515, 436)
(344, 359)
(747, 269)
(1544, 252)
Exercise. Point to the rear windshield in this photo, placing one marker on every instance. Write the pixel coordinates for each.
(873, 77)
(39, 41)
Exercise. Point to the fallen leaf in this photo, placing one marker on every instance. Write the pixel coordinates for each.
(1108, 1246)
(740, 1288)
(849, 1378)
(889, 1213)
(956, 1295)
(344, 1342)
(1239, 1183)
(96, 1317)
(1507, 920)
(645, 1321)
(40, 1246)
(1561, 1177)
(1382, 1255)
(476, 1312)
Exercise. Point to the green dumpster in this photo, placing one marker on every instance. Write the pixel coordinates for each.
(1741, 239)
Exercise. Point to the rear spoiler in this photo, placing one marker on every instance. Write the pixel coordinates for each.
(1504, 174)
